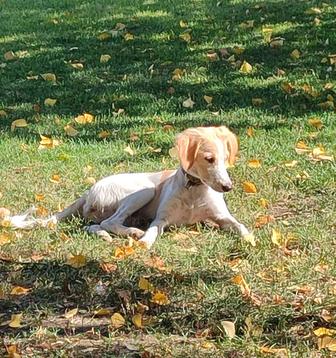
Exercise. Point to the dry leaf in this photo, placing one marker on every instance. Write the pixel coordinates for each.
(42, 211)
(9, 56)
(4, 212)
(183, 23)
(257, 101)
(77, 65)
(327, 342)
(104, 134)
(247, 24)
(103, 312)
(49, 77)
(55, 178)
(18, 123)
(295, 54)
(70, 130)
(128, 36)
(15, 321)
(105, 58)
(254, 163)
(287, 87)
(85, 118)
(277, 351)
(48, 143)
(263, 220)
(12, 351)
(263, 203)
(290, 164)
(50, 102)
(322, 331)
(229, 328)
(313, 11)
(301, 147)
(117, 320)
(19, 291)
(327, 105)
(76, 261)
(250, 131)
(212, 56)
(208, 99)
(137, 320)
(155, 262)
(245, 68)
(249, 187)
(104, 36)
(240, 281)
(267, 34)
(129, 150)
(5, 238)
(237, 50)
(276, 42)
(276, 237)
(3, 113)
(145, 285)
(315, 122)
(71, 313)
(177, 74)
(185, 36)
(108, 267)
(188, 103)
(250, 239)
(160, 298)
(90, 180)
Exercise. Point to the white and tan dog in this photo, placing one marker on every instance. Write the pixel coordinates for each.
(190, 194)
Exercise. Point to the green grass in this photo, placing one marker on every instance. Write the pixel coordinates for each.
(198, 279)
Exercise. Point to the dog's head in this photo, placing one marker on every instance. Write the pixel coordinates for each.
(206, 152)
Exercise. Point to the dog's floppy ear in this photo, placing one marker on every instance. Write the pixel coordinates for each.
(187, 145)
(230, 142)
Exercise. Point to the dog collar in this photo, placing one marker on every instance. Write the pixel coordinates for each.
(191, 180)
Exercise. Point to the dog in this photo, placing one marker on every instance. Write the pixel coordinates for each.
(192, 193)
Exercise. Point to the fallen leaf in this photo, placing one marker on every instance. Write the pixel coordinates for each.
(212, 56)
(104, 36)
(137, 320)
(295, 54)
(313, 11)
(257, 101)
(229, 328)
(128, 36)
(250, 239)
(120, 26)
(183, 23)
(276, 42)
(105, 58)
(277, 351)
(90, 180)
(254, 163)
(263, 203)
(108, 267)
(117, 320)
(55, 178)
(287, 87)
(290, 163)
(301, 147)
(327, 105)
(267, 34)
(247, 24)
(9, 56)
(3, 113)
(104, 134)
(237, 50)
(19, 291)
(15, 321)
(42, 211)
(327, 342)
(249, 187)
(177, 74)
(155, 262)
(145, 285)
(102, 312)
(322, 331)
(160, 298)
(70, 130)
(76, 261)
(71, 313)
(5, 238)
(185, 36)
(276, 237)
(39, 197)
(250, 131)
(12, 351)
(208, 99)
(246, 68)
(84, 118)
(263, 220)
(18, 123)
(77, 65)
(48, 143)
(129, 150)
(49, 77)
(188, 103)
(4, 212)
(240, 281)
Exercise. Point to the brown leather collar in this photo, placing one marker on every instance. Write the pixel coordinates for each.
(191, 180)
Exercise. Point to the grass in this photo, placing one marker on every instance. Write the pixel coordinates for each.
(293, 289)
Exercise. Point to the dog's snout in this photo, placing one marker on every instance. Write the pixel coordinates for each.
(227, 187)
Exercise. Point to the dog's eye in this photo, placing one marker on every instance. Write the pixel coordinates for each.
(210, 159)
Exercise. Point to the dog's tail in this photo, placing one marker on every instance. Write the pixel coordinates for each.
(27, 220)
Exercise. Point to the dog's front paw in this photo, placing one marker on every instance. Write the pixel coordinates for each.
(147, 242)
(135, 233)
(97, 230)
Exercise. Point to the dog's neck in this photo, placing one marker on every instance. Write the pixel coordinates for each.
(190, 180)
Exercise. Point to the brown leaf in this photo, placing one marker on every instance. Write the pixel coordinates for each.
(249, 187)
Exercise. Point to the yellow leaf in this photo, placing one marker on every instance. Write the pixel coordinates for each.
(104, 36)
(247, 24)
(250, 131)
(327, 342)
(322, 331)
(245, 68)
(313, 11)
(90, 180)
(185, 36)
(48, 143)
(77, 65)
(315, 122)
(137, 320)
(70, 130)
(317, 21)
(55, 178)
(229, 328)
(160, 298)
(3, 113)
(263, 203)
(257, 101)
(250, 239)
(290, 164)
(117, 320)
(104, 134)
(208, 99)
(263, 220)
(183, 23)
(128, 36)
(177, 74)
(240, 281)
(12, 351)
(328, 86)
(249, 187)
(49, 77)
(42, 211)
(295, 54)
(145, 285)
(105, 58)
(254, 163)
(276, 237)
(71, 313)
(15, 321)
(76, 261)
(188, 103)
(5, 238)
(50, 102)
(18, 123)
(9, 56)
(301, 147)
(103, 312)
(277, 351)
(237, 50)
(19, 291)
(129, 150)
(287, 87)
(4, 212)
(84, 118)
(276, 42)
(267, 34)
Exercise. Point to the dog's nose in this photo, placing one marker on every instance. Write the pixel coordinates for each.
(227, 187)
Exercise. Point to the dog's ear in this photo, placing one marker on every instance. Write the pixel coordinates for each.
(230, 142)
(187, 145)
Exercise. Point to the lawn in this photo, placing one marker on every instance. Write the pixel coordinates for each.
(127, 76)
